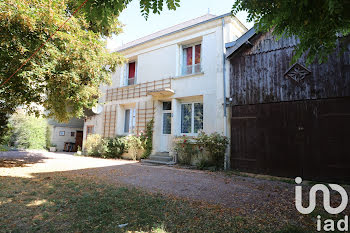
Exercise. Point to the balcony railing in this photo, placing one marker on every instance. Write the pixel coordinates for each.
(137, 90)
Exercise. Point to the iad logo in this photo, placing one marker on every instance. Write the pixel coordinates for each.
(326, 198)
(329, 224)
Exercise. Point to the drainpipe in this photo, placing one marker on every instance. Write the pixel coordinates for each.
(227, 159)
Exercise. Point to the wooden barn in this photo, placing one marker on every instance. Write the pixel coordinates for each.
(289, 119)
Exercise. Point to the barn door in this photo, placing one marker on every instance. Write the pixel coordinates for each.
(302, 138)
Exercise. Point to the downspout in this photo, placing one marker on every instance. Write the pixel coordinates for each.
(226, 161)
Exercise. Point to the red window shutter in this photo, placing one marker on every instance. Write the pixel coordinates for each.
(189, 56)
(132, 70)
(198, 54)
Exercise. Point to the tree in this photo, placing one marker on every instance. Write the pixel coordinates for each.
(318, 24)
(27, 131)
(65, 75)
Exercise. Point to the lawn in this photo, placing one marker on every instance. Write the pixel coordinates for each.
(65, 204)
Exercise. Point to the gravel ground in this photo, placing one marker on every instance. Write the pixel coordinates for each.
(244, 194)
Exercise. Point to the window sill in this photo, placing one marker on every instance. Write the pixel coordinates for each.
(189, 75)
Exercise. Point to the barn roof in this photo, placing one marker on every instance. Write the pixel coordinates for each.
(235, 45)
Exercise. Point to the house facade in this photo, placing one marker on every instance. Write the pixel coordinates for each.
(66, 136)
(176, 77)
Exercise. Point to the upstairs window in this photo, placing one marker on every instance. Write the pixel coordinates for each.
(191, 59)
(131, 73)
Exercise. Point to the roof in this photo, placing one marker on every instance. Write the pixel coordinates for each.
(73, 123)
(171, 30)
(240, 41)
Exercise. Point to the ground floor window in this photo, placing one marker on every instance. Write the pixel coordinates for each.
(89, 130)
(130, 120)
(191, 118)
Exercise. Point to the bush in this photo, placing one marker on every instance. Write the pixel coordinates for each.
(207, 149)
(146, 139)
(26, 131)
(135, 145)
(95, 146)
(116, 147)
(186, 149)
(215, 144)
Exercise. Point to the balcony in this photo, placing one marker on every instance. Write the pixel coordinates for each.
(155, 88)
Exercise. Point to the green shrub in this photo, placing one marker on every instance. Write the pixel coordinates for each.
(215, 144)
(3, 148)
(208, 150)
(48, 137)
(95, 146)
(27, 131)
(186, 149)
(116, 147)
(135, 145)
(146, 139)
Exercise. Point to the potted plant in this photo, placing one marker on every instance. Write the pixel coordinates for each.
(53, 148)
(79, 150)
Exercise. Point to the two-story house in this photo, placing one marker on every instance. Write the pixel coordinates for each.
(175, 76)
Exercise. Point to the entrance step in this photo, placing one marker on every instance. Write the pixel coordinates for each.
(161, 158)
(155, 162)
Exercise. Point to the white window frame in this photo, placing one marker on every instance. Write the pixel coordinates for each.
(192, 118)
(132, 120)
(163, 112)
(193, 45)
(126, 73)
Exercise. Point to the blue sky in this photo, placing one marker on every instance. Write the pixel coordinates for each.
(136, 26)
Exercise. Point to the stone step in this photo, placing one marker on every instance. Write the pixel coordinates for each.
(161, 158)
(163, 154)
(156, 162)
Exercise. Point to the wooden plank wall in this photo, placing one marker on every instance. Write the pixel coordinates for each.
(257, 73)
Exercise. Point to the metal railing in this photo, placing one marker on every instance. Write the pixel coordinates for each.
(137, 90)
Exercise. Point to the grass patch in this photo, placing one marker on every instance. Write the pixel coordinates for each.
(61, 204)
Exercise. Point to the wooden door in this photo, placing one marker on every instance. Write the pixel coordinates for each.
(78, 140)
(301, 138)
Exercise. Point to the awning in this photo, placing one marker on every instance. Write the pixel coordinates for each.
(164, 92)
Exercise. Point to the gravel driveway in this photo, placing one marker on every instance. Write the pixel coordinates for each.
(246, 195)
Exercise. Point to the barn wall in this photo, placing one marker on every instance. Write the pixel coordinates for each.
(257, 74)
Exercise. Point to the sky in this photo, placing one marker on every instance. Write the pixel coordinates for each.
(135, 25)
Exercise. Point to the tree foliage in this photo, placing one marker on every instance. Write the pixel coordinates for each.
(27, 131)
(317, 24)
(65, 75)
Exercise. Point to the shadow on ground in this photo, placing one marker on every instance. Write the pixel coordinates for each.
(19, 159)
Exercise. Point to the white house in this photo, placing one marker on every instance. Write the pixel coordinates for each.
(66, 136)
(175, 76)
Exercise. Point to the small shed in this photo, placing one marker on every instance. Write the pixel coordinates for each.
(289, 119)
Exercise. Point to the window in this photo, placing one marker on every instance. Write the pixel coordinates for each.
(167, 117)
(130, 120)
(131, 73)
(72, 134)
(191, 59)
(191, 118)
(167, 123)
(89, 130)
(62, 133)
(167, 105)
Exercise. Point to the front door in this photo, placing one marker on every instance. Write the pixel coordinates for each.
(79, 140)
(166, 127)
